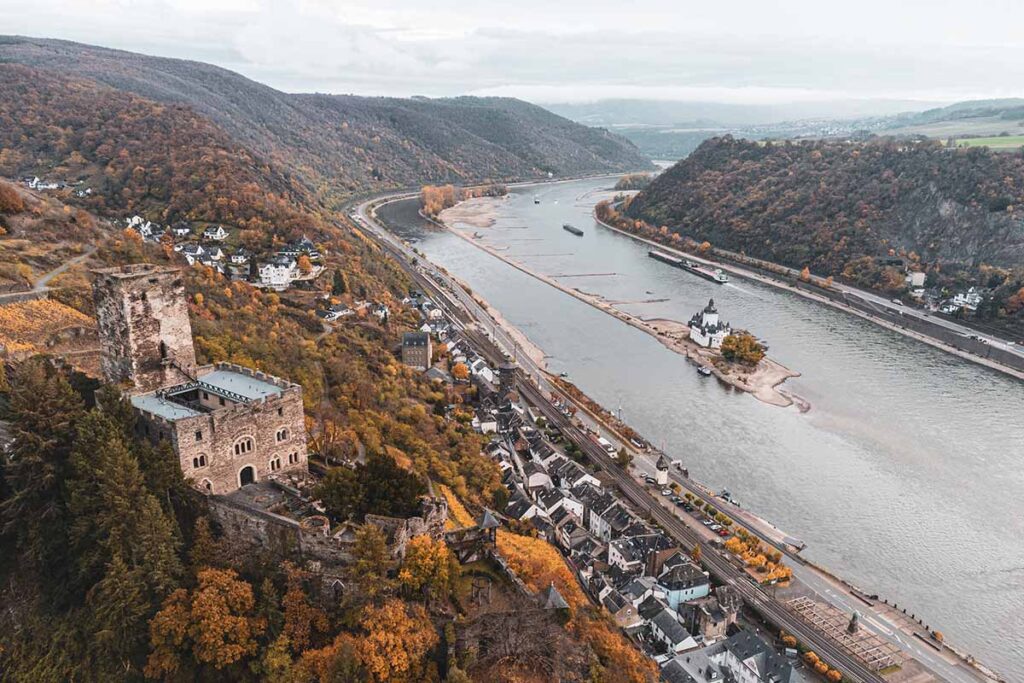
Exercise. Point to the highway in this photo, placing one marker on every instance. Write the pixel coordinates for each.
(494, 342)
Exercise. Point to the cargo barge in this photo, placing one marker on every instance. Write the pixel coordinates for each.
(573, 229)
(716, 275)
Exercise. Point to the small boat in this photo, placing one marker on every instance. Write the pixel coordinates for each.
(563, 375)
(536, 199)
(573, 229)
(477, 235)
(704, 371)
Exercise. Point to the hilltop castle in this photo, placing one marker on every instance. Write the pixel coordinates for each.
(229, 426)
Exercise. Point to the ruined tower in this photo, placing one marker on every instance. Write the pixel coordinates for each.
(144, 327)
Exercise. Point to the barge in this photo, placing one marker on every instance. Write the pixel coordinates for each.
(573, 229)
(715, 275)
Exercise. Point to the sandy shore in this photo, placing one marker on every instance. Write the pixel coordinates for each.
(762, 382)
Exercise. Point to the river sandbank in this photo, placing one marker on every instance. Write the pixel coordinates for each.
(763, 382)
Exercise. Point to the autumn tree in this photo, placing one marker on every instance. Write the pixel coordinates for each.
(304, 264)
(429, 566)
(460, 372)
(10, 201)
(302, 620)
(396, 639)
(742, 348)
(371, 559)
(805, 274)
(212, 625)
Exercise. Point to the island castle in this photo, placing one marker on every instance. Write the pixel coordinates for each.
(228, 425)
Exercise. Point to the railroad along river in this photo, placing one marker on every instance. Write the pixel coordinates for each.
(905, 477)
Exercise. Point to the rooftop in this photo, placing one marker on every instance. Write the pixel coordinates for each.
(161, 407)
(242, 385)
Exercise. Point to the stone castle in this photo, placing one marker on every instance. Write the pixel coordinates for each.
(229, 426)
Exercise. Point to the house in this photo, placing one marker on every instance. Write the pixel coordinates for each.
(969, 300)
(743, 657)
(216, 233)
(416, 350)
(241, 256)
(335, 312)
(215, 254)
(711, 616)
(191, 252)
(485, 422)
(521, 507)
(437, 375)
(623, 554)
(277, 273)
(706, 329)
(623, 611)
(181, 229)
(661, 477)
(692, 667)
(380, 312)
(916, 279)
(682, 583)
(670, 633)
(479, 368)
(535, 476)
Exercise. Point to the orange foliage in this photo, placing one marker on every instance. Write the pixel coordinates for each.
(26, 325)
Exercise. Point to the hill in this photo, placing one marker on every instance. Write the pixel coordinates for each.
(346, 143)
(956, 214)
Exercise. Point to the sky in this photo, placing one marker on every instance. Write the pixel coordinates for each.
(730, 51)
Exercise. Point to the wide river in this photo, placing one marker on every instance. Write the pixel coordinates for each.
(905, 477)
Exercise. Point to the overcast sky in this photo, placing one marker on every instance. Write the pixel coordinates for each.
(740, 51)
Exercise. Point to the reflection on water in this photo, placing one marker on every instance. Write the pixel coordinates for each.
(905, 477)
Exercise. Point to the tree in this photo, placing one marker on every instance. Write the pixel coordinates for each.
(304, 264)
(695, 554)
(371, 559)
(742, 348)
(623, 458)
(340, 492)
(805, 274)
(44, 412)
(302, 621)
(460, 372)
(427, 567)
(338, 285)
(396, 639)
(379, 486)
(10, 201)
(213, 624)
(113, 512)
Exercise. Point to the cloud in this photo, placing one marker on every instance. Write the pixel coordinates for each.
(732, 50)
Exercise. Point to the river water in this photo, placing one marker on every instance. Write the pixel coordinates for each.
(905, 477)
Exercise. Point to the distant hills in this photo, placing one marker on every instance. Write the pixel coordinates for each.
(329, 144)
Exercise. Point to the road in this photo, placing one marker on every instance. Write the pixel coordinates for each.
(42, 284)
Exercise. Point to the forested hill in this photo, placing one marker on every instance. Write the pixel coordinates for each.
(349, 143)
(827, 204)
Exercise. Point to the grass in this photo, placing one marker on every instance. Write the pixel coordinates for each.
(999, 141)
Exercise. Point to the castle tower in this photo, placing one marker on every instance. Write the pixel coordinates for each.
(144, 326)
(710, 314)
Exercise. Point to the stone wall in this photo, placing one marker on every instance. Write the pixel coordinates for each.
(143, 320)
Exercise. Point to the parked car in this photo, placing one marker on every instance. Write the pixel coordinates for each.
(638, 444)
(650, 480)
(723, 532)
(706, 522)
(687, 507)
(666, 492)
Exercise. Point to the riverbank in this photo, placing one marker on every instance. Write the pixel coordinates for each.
(739, 271)
(763, 382)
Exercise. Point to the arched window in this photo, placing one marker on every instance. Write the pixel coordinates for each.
(207, 486)
(244, 445)
(293, 458)
(199, 461)
(275, 464)
(282, 434)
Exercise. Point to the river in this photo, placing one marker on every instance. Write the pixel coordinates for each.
(905, 477)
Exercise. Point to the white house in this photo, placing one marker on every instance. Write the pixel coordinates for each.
(240, 257)
(970, 299)
(191, 252)
(707, 329)
(216, 233)
(181, 230)
(480, 368)
(671, 633)
(277, 273)
(684, 582)
(215, 254)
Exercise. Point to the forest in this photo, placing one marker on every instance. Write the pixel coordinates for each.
(845, 209)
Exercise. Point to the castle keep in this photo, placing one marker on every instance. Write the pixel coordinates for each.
(229, 426)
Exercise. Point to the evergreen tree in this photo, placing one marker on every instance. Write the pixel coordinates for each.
(44, 411)
(112, 512)
(118, 609)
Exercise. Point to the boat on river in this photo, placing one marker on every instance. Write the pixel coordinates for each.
(716, 275)
(704, 371)
(573, 229)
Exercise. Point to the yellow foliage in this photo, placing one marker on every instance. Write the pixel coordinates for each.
(27, 324)
(458, 516)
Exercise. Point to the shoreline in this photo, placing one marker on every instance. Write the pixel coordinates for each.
(733, 269)
(763, 383)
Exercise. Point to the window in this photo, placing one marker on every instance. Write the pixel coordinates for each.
(199, 435)
(243, 446)
(221, 399)
(199, 461)
(275, 464)
(282, 434)
(206, 396)
(293, 458)
(280, 412)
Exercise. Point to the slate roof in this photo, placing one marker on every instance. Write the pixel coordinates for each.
(552, 599)
(673, 630)
(683, 576)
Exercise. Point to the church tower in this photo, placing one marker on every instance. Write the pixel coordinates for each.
(143, 322)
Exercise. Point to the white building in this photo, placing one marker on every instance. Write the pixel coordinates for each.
(706, 329)
(215, 233)
(277, 273)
